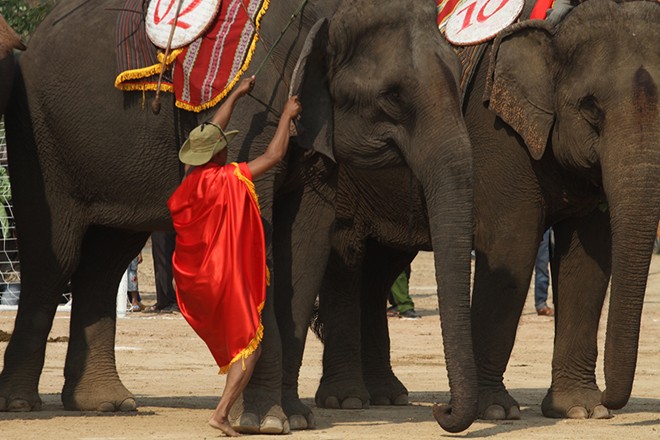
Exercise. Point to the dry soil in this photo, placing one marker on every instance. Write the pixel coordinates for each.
(174, 378)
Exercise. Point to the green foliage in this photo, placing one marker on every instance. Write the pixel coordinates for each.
(24, 15)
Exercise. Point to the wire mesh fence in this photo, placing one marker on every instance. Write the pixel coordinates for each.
(10, 275)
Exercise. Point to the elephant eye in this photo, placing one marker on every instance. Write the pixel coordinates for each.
(392, 95)
(591, 111)
(391, 102)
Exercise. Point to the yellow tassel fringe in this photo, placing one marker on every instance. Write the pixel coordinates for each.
(251, 347)
(146, 72)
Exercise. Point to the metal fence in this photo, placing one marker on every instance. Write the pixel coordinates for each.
(10, 277)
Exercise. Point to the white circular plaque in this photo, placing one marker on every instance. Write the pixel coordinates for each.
(476, 21)
(194, 18)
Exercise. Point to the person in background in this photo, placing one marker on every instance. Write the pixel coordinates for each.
(132, 284)
(220, 253)
(542, 276)
(162, 248)
(402, 304)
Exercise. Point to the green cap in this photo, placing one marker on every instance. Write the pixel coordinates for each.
(204, 142)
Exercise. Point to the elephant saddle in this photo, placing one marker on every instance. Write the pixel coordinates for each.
(202, 73)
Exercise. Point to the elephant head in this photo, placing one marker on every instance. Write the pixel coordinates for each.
(9, 41)
(587, 93)
(379, 89)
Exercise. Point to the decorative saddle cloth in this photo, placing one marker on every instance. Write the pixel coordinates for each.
(203, 72)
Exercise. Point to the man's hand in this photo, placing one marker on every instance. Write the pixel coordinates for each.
(292, 108)
(245, 86)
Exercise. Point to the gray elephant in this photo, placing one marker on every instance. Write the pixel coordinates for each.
(9, 41)
(569, 138)
(583, 99)
(97, 170)
(376, 177)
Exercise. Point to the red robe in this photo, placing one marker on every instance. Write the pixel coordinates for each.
(219, 262)
(541, 6)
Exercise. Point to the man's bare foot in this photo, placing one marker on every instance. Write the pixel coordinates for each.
(224, 426)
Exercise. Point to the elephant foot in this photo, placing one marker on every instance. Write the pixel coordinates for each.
(300, 415)
(109, 398)
(342, 395)
(257, 412)
(576, 404)
(19, 405)
(498, 405)
(14, 399)
(386, 391)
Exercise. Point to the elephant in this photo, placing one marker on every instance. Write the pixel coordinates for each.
(583, 99)
(95, 167)
(565, 127)
(9, 41)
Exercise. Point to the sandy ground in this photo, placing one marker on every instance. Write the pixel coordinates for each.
(172, 374)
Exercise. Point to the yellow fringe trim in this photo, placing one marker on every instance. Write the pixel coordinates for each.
(249, 183)
(146, 72)
(251, 347)
(255, 197)
(212, 103)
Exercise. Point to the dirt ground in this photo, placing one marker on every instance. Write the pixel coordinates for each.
(172, 374)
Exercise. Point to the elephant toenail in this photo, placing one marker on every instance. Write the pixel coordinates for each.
(577, 412)
(600, 412)
(352, 403)
(298, 422)
(106, 407)
(514, 413)
(19, 405)
(128, 405)
(286, 428)
(381, 400)
(248, 423)
(494, 412)
(271, 425)
(332, 403)
(311, 423)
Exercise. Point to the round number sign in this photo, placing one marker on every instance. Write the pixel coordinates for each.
(476, 21)
(194, 17)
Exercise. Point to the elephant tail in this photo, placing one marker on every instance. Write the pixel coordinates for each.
(315, 322)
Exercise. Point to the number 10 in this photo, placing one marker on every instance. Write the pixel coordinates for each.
(482, 15)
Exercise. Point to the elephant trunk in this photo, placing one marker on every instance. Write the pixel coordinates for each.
(634, 201)
(447, 182)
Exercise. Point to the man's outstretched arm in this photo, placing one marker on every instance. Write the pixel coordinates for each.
(279, 145)
(223, 114)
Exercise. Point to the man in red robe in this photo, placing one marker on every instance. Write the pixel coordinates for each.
(219, 260)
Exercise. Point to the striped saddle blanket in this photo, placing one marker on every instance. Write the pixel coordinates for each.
(201, 74)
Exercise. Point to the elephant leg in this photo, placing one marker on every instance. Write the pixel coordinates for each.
(381, 267)
(504, 264)
(303, 218)
(45, 271)
(91, 382)
(258, 409)
(582, 266)
(341, 384)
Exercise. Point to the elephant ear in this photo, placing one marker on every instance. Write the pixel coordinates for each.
(519, 86)
(310, 83)
(9, 39)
